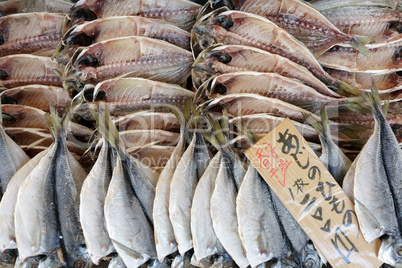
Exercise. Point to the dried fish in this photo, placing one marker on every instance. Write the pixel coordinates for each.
(379, 166)
(330, 4)
(189, 170)
(153, 156)
(127, 95)
(13, 158)
(332, 157)
(270, 85)
(7, 204)
(223, 207)
(21, 6)
(24, 69)
(205, 240)
(232, 58)
(164, 234)
(92, 203)
(38, 96)
(388, 82)
(139, 138)
(378, 23)
(30, 33)
(46, 212)
(240, 28)
(112, 27)
(134, 56)
(381, 58)
(301, 20)
(248, 104)
(181, 13)
(148, 120)
(20, 116)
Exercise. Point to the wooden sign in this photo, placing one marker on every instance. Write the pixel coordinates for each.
(312, 196)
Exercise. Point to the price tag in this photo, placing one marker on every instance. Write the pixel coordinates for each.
(312, 196)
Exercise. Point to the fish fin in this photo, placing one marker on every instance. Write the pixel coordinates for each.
(54, 122)
(246, 132)
(346, 90)
(317, 125)
(202, 91)
(359, 44)
(225, 123)
(352, 130)
(368, 222)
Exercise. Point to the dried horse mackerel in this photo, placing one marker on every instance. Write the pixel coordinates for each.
(135, 56)
(31, 33)
(13, 157)
(181, 13)
(301, 20)
(232, 58)
(379, 166)
(112, 27)
(47, 208)
(22, 6)
(37, 96)
(129, 201)
(240, 28)
(24, 69)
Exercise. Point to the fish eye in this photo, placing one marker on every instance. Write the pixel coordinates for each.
(399, 53)
(398, 251)
(80, 39)
(8, 100)
(223, 3)
(84, 14)
(220, 89)
(2, 41)
(79, 264)
(6, 257)
(74, 1)
(310, 263)
(10, 119)
(221, 56)
(399, 73)
(224, 22)
(3, 74)
(89, 61)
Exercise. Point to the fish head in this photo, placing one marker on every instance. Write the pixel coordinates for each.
(210, 62)
(8, 256)
(218, 86)
(391, 250)
(285, 263)
(85, 10)
(4, 31)
(80, 259)
(310, 257)
(11, 96)
(76, 37)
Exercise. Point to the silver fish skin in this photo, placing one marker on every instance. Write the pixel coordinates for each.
(51, 261)
(181, 13)
(164, 234)
(300, 20)
(24, 69)
(337, 163)
(240, 28)
(270, 85)
(223, 208)
(21, 6)
(38, 96)
(7, 203)
(36, 195)
(127, 224)
(13, 158)
(205, 241)
(322, 5)
(189, 170)
(234, 58)
(379, 167)
(376, 22)
(92, 202)
(120, 26)
(30, 33)
(349, 59)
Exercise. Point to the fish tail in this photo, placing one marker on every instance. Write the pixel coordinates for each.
(106, 127)
(373, 100)
(345, 89)
(359, 44)
(317, 125)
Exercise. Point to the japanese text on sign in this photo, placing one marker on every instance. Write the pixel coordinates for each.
(310, 193)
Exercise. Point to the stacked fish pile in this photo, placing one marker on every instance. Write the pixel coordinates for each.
(170, 186)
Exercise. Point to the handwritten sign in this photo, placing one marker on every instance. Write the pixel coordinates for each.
(312, 196)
